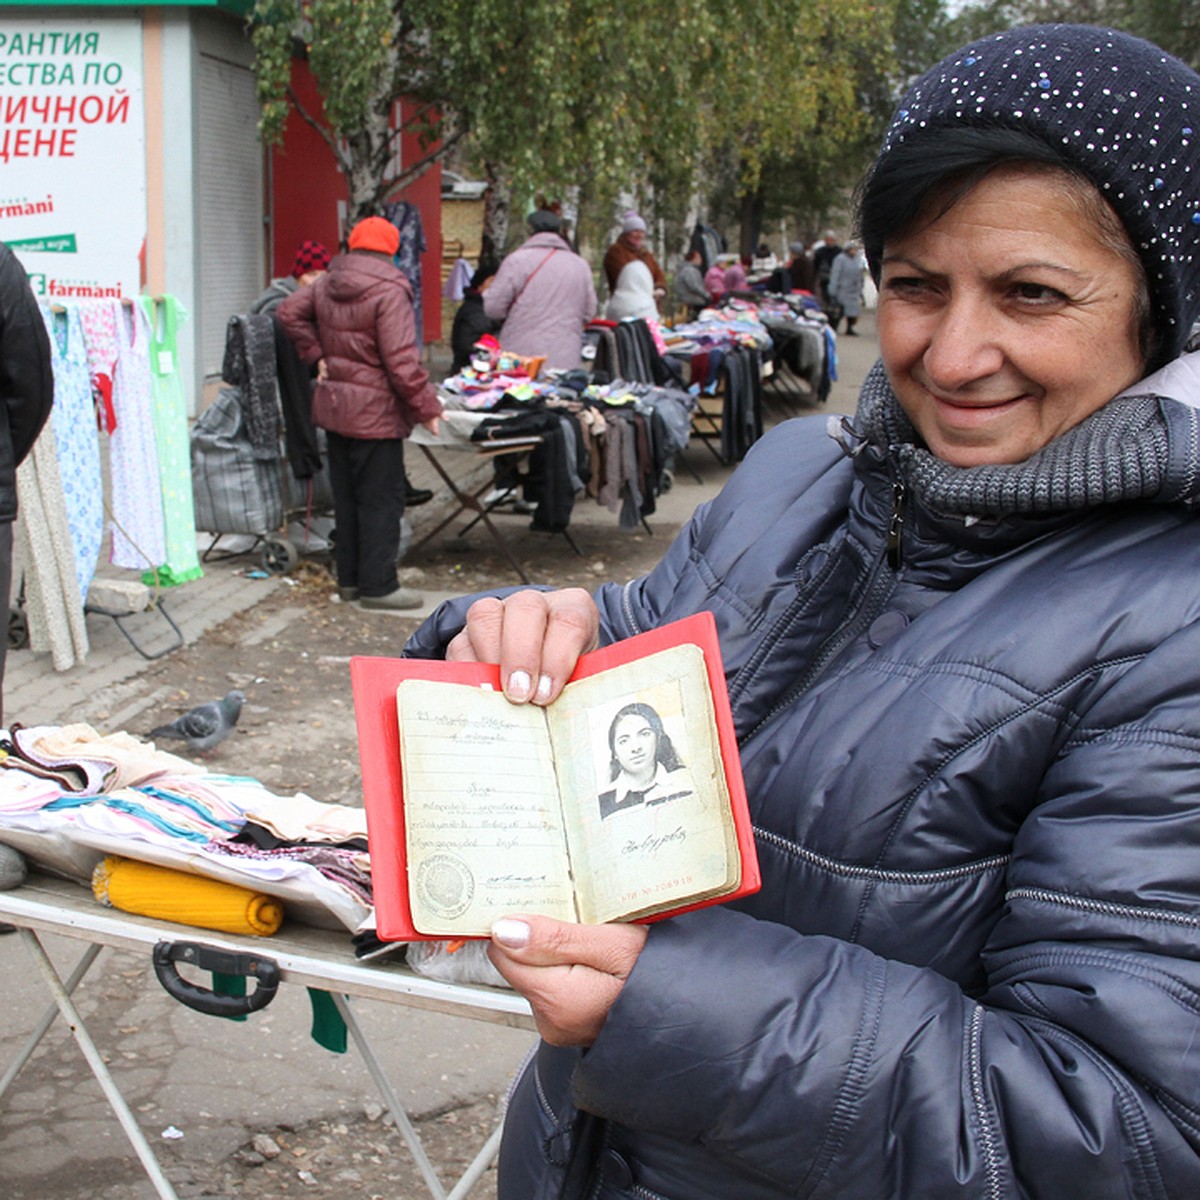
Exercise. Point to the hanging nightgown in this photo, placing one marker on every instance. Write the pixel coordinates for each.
(99, 320)
(138, 534)
(53, 603)
(74, 420)
(182, 562)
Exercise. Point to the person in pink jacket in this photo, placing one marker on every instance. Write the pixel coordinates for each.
(544, 294)
(356, 324)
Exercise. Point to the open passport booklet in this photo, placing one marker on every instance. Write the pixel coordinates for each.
(621, 801)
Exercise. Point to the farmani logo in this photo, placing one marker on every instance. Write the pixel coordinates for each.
(51, 288)
(26, 208)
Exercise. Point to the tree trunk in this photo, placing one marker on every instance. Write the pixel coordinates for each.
(753, 205)
(496, 201)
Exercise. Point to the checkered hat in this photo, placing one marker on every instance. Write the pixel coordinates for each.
(312, 256)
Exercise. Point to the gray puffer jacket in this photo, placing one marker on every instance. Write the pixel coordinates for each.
(969, 710)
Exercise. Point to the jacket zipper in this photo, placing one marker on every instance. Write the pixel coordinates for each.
(895, 533)
(1106, 907)
(873, 597)
(833, 866)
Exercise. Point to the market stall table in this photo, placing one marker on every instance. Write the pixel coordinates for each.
(315, 958)
(455, 439)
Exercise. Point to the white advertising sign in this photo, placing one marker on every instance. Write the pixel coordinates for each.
(72, 153)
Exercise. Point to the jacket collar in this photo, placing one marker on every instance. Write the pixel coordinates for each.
(548, 240)
(1141, 446)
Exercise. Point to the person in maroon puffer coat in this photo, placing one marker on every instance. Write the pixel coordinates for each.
(356, 323)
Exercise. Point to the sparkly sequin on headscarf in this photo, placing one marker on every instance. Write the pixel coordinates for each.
(1118, 108)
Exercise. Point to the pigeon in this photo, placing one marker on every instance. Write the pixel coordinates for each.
(206, 725)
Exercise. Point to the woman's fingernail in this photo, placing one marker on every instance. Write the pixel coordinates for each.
(518, 686)
(543, 688)
(510, 932)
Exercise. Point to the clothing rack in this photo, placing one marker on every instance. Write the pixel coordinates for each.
(114, 363)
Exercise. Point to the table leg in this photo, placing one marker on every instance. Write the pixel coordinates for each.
(73, 980)
(399, 1115)
(467, 501)
(99, 1068)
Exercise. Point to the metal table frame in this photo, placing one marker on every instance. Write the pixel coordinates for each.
(312, 957)
(469, 501)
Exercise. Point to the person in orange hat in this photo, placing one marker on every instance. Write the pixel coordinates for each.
(356, 324)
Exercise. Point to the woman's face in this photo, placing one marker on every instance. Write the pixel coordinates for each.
(635, 745)
(1006, 320)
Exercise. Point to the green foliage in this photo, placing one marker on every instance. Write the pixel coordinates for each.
(271, 35)
(351, 49)
(598, 99)
(1172, 24)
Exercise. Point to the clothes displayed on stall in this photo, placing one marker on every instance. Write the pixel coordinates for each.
(117, 391)
(181, 560)
(459, 279)
(156, 808)
(741, 424)
(791, 330)
(53, 602)
(407, 218)
(612, 440)
(249, 365)
(138, 529)
(630, 350)
(77, 440)
(99, 321)
(709, 242)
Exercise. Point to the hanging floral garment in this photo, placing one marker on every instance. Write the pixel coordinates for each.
(74, 421)
(138, 533)
(53, 602)
(99, 321)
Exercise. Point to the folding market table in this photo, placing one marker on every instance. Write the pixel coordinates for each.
(455, 438)
(312, 957)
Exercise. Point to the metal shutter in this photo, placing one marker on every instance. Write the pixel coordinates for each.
(230, 254)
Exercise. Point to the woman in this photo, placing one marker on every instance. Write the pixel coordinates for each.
(634, 294)
(963, 647)
(645, 770)
(355, 325)
(634, 298)
(470, 321)
(543, 296)
(714, 278)
(735, 276)
(846, 288)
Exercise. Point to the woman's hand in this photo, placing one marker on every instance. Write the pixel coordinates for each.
(570, 974)
(536, 637)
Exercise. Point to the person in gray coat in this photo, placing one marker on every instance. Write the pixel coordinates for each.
(845, 288)
(961, 634)
(544, 294)
(689, 289)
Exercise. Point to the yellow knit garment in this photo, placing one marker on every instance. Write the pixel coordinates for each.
(153, 891)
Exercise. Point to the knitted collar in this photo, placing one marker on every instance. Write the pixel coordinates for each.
(1119, 453)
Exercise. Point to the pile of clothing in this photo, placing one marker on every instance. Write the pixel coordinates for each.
(70, 796)
(614, 441)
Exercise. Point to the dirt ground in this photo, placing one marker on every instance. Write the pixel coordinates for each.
(290, 654)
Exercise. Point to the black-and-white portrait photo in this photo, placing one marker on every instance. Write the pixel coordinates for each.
(644, 766)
